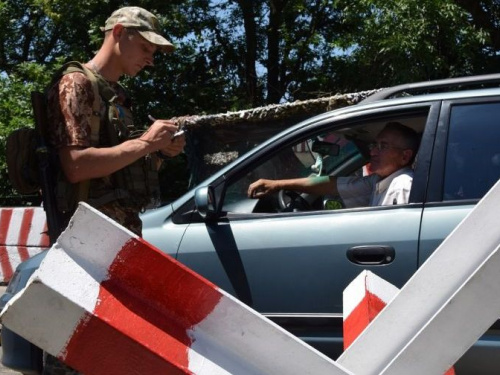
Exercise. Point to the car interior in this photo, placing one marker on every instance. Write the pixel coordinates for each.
(339, 151)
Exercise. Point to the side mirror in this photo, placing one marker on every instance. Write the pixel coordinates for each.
(325, 148)
(204, 199)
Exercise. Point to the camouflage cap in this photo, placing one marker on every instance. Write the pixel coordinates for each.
(141, 20)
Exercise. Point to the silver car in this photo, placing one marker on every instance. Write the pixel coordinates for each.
(290, 256)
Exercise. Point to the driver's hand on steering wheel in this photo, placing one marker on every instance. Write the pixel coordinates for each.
(261, 188)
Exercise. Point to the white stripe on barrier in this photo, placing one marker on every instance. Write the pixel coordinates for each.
(38, 230)
(23, 233)
(366, 282)
(14, 228)
(107, 302)
(363, 299)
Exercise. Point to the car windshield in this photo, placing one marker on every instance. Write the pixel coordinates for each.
(322, 155)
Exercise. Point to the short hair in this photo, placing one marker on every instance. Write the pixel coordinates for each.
(410, 137)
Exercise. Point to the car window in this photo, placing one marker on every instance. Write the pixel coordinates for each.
(327, 153)
(473, 152)
(343, 149)
(322, 154)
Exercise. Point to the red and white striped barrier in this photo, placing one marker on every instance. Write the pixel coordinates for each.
(23, 233)
(363, 299)
(106, 302)
(445, 307)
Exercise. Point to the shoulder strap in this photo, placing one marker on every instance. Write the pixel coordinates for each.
(95, 119)
(95, 122)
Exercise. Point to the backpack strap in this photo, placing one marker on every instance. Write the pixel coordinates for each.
(95, 119)
(95, 122)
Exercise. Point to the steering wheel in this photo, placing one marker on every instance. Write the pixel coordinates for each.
(290, 200)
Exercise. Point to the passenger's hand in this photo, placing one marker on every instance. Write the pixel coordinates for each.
(261, 188)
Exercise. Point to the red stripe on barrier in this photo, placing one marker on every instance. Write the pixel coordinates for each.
(5, 264)
(361, 316)
(168, 300)
(365, 312)
(24, 233)
(23, 253)
(5, 217)
(94, 343)
(25, 226)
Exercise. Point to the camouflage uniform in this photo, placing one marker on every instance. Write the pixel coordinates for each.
(70, 108)
(70, 104)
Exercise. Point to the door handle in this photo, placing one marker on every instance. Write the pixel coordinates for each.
(371, 255)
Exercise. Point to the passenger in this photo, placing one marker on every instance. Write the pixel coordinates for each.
(389, 183)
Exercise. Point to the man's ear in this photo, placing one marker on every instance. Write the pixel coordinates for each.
(407, 155)
(118, 30)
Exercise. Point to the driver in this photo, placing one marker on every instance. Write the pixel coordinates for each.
(391, 157)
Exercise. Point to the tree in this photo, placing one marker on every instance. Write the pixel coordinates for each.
(238, 54)
(15, 113)
(406, 40)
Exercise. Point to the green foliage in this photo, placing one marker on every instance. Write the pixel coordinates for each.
(410, 40)
(15, 112)
(238, 54)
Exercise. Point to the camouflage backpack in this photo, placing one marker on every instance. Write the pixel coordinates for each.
(22, 160)
(27, 149)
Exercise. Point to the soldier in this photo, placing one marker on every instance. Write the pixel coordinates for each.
(104, 160)
(105, 168)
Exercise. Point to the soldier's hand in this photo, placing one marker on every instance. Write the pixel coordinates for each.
(159, 134)
(175, 147)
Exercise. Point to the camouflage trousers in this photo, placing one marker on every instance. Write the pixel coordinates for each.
(127, 217)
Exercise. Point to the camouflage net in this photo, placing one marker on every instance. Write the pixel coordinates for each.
(302, 108)
(215, 140)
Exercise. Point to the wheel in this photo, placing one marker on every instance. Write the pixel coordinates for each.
(290, 200)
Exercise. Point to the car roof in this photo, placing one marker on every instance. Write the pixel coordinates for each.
(442, 85)
(384, 101)
(407, 100)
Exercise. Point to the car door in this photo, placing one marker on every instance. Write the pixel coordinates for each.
(465, 165)
(293, 266)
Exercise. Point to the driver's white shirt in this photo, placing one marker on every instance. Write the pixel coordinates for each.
(372, 191)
